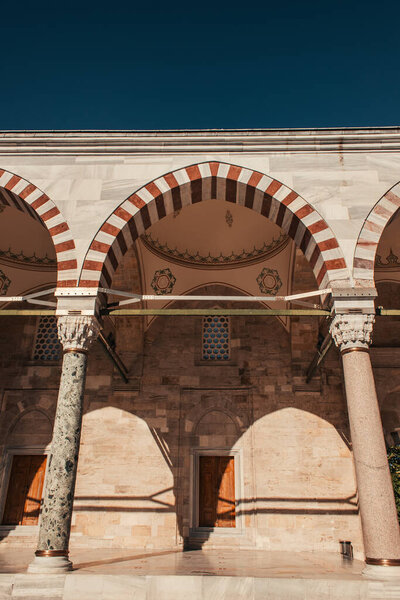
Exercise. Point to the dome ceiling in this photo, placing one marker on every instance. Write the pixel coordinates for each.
(27, 255)
(387, 260)
(23, 235)
(214, 234)
(215, 243)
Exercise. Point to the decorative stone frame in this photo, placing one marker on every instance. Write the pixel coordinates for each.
(195, 530)
(9, 453)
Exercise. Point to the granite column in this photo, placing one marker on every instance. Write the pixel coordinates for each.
(381, 533)
(76, 334)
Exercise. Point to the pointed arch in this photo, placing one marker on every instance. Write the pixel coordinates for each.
(26, 197)
(371, 232)
(213, 180)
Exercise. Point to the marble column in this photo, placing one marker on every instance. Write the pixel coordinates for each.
(76, 334)
(381, 533)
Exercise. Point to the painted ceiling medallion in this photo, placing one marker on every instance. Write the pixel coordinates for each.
(4, 283)
(269, 281)
(163, 282)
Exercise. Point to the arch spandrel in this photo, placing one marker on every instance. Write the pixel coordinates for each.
(214, 180)
(25, 196)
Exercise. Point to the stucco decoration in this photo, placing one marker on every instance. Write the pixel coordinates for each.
(392, 261)
(229, 218)
(4, 283)
(221, 260)
(163, 282)
(269, 281)
(352, 331)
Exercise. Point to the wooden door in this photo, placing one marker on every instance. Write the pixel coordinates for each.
(217, 491)
(25, 490)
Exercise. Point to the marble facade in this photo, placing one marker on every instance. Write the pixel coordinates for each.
(300, 486)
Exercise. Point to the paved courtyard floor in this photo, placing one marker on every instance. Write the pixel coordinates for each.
(112, 574)
(231, 563)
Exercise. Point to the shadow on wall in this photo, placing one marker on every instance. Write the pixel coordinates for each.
(254, 407)
(288, 439)
(178, 500)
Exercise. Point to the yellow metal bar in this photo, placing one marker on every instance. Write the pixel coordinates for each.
(263, 312)
(387, 312)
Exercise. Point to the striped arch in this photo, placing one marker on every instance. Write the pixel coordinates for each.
(205, 181)
(26, 197)
(368, 240)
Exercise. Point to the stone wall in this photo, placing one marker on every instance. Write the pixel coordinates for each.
(139, 440)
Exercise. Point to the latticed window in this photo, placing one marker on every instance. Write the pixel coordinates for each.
(47, 345)
(216, 344)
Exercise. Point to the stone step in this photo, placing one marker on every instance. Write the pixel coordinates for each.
(6, 586)
(196, 586)
(38, 587)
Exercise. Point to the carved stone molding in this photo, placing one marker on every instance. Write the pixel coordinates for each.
(352, 330)
(77, 332)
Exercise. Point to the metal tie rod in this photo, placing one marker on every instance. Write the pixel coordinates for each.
(133, 298)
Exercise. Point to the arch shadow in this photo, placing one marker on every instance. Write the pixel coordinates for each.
(178, 411)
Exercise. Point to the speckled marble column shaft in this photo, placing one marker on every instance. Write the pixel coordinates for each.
(76, 335)
(61, 474)
(376, 499)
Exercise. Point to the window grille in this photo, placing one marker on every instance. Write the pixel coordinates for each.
(216, 344)
(47, 345)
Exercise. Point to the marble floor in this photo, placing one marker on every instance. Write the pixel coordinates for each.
(231, 563)
(225, 574)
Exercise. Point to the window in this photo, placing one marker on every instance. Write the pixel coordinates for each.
(47, 345)
(215, 339)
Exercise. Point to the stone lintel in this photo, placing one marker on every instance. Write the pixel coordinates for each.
(77, 304)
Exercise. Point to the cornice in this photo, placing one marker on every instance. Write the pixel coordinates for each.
(108, 143)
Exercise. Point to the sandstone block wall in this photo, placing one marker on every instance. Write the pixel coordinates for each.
(139, 440)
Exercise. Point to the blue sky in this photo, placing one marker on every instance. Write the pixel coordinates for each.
(117, 65)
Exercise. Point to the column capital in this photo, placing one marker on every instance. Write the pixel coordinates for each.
(77, 332)
(352, 330)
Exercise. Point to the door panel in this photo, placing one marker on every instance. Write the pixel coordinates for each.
(34, 495)
(25, 490)
(226, 497)
(16, 491)
(216, 491)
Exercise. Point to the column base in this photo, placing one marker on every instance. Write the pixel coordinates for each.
(50, 564)
(381, 572)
